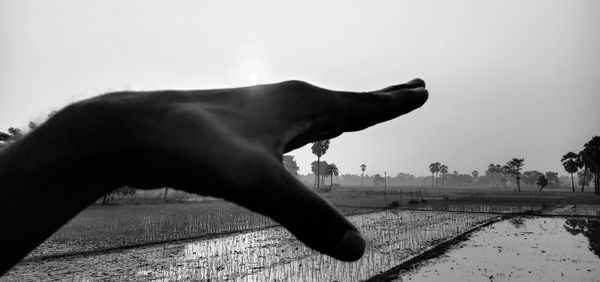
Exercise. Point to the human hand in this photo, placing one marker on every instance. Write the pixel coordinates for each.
(225, 143)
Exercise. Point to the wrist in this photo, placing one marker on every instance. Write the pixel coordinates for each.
(62, 155)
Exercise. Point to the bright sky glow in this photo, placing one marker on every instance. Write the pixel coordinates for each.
(506, 78)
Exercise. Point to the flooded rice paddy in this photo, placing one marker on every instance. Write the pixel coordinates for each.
(268, 254)
(520, 249)
(102, 228)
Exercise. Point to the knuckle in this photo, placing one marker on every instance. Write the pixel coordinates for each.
(296, 84)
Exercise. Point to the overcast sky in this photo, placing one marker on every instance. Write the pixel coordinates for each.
(506, 78)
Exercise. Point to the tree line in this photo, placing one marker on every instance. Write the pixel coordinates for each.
(321, 169)
(586, 164)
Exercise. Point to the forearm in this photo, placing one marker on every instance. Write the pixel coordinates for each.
(42, 186)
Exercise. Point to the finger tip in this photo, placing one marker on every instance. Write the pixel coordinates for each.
(350, 248)
(420, 96)
(417, 82)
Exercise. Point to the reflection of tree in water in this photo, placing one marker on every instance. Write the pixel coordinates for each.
(589, 228)
(518, 222)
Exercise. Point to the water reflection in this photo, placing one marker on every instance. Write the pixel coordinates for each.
(525, 249)
(590, 228)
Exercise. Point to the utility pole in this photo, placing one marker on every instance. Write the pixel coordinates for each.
(385, 187)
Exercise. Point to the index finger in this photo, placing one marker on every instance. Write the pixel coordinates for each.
(353, 111)
(362, 110)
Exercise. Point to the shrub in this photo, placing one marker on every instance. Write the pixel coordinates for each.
(394, 204)
(413, 202)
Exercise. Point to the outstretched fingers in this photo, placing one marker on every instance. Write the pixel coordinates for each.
(362, 110)
(415, 83)
(353, 111)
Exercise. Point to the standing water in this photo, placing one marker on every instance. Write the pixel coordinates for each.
(520, 249)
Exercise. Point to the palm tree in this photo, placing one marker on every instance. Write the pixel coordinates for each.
(443, 169)
(319, 169)
(571, 162)
(583, 157)
(513, 167)
(434, 168)
(332, 170)
(592, 160)
(319, 148)
(363, 167)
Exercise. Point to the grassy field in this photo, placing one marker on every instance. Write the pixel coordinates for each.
(527, 198)
(122, 225)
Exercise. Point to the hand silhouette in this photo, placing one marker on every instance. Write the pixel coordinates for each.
(225, 143)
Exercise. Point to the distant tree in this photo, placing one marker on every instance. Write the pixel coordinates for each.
(552, 178)
(499, 172)
(15, 132)
(513, 167)
(571, 162)
(290, 164)
(378, 179)
(475, 173)
(584, 156)
(489, 172)
(363, 167)
(588, 177)
(319, 149)
(592, 160)
(542, 182)
(434, 168)
(32, 125)
(443, 169)
(458, 179)
(531, 177)
(123, 190)
(332, 170)
(4, 138)
(319, 170)
(492, 172)
(503, 181)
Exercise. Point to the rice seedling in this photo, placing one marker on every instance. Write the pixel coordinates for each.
(101, 228)
(392, 237)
